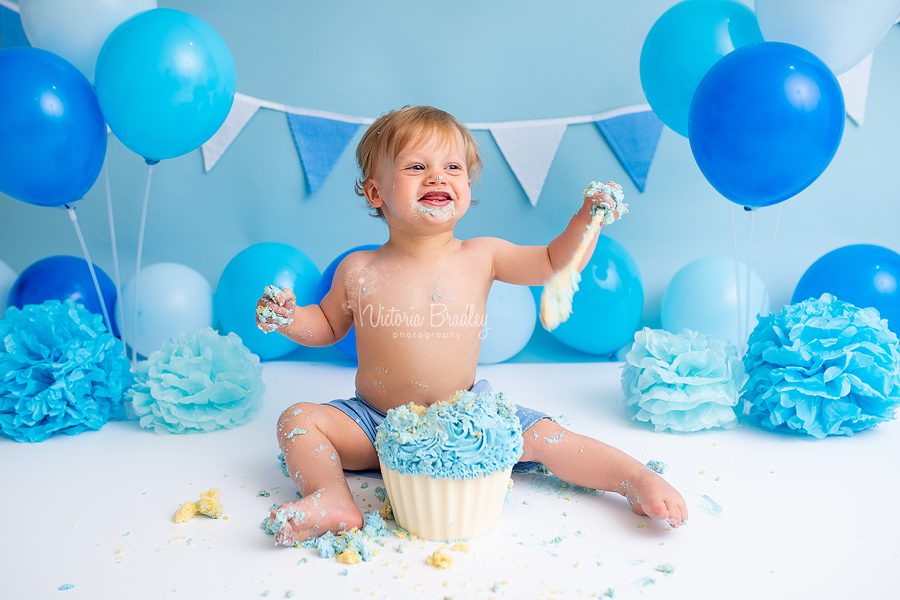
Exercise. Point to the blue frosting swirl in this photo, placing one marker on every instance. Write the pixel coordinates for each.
(465, 437)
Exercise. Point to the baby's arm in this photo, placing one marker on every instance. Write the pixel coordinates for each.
(535, 265)
(313, 325)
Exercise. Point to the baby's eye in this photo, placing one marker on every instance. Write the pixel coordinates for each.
(456, 167)
(417, 168)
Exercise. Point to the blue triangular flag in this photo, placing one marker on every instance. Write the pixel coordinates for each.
(11, 32)
(634, 138)
(320, 143)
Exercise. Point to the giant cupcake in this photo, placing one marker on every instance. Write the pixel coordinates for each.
(447, 467)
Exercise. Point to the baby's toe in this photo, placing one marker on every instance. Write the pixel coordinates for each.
(656, 508)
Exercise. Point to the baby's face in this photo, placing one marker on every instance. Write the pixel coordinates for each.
(426, 186)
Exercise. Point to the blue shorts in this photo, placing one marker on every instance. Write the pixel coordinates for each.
(369, 417)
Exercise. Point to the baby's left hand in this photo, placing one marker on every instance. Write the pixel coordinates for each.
(606, 199)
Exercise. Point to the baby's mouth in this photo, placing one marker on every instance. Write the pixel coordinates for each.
(436, 199)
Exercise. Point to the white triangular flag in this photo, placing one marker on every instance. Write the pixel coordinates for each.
(529, 150)
(242, 110)
(855, 84)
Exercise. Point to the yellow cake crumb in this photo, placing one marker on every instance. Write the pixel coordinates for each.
(209, 504)
(348, 556)
(417, 408)
(440, 559)
(460, 547)
(186, 512)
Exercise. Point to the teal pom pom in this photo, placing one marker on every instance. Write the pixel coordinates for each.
(683, 382)
(60, 371)
(196, 382)
(822, 367)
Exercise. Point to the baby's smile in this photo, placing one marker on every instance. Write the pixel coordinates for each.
(436, 198)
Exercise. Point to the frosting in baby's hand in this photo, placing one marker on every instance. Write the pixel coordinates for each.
(267, 319)
(614, 190)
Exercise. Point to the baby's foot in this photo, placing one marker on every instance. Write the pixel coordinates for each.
(312, 516)
(650, 495)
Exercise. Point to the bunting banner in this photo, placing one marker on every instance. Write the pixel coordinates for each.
(11, 32)
(242, 110)
(529, 147)
(855, 85)
(529, 150)
(320, 143)
(633, 136)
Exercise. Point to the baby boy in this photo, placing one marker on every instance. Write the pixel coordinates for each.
(418, 307)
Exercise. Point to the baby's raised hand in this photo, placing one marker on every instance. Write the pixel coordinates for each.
(606, 200)
(275, 309)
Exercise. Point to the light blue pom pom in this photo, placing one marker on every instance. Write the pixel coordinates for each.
(198, 381)
(822, 367)
(60, 372)
(683, 382)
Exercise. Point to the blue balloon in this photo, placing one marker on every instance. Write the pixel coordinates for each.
(682, 45)
(347, 345)
(701, 297)
(165, 80)
(52, 133)
(511, 315)
(64, 278)
(243, 282)
(863, 275)
(607, 308)
(765, 122)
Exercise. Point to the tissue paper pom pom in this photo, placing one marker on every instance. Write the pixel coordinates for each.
(60, 372)
(683, 382)
(822, 367)
(197, 381)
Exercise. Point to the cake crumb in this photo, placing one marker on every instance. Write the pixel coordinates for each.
(440, 559)
(460, 547)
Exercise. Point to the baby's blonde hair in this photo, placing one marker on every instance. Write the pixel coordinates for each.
(398, 129)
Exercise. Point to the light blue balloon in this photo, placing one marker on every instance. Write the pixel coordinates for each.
(701, 297)
(510, 321)
(607, 308)
(243, 282)
(173, 299)
(7, 279)
(165, 80)
(682, 45)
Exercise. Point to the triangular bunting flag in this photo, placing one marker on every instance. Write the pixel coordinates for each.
(855, 84)
(529, 150)
(634, 138)
(242, 111)
(320, 143)
(11, 32)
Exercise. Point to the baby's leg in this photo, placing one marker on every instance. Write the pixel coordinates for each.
(318, 441)
(589, 463)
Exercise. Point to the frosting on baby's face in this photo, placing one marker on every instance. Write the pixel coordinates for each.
(427, 181)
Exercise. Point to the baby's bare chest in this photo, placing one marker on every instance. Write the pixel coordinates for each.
(429, 300)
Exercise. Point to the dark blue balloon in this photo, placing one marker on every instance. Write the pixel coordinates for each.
(765, 122)
(863, 275)
(64, 278)
(52, 133)
(348, 344)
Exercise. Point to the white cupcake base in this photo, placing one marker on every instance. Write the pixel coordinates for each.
(446, 509)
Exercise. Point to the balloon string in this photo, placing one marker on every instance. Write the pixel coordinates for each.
(115, 255)
(739, 344)
(745, 343)
(137, 271)
(87, 257)
(771, 254)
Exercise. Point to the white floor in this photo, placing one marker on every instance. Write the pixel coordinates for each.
(800, 518)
